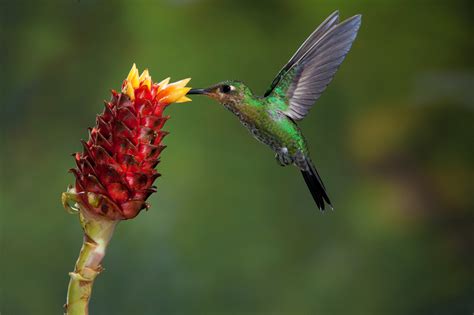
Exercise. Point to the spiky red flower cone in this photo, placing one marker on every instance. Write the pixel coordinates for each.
(116, 170)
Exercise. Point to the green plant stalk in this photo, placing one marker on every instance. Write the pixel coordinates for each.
(97, 234)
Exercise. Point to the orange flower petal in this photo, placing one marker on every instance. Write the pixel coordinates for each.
(174, 94)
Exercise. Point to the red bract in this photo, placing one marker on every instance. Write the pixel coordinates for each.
(116, 170)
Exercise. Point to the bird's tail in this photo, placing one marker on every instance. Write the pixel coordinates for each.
(316, 186)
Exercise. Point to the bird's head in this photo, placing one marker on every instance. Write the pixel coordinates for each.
(227, 92)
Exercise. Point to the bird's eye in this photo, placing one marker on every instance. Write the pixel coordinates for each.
(226, 88)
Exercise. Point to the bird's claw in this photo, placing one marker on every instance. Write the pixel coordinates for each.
(283, 158)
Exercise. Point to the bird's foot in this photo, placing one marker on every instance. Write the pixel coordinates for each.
(283, 158)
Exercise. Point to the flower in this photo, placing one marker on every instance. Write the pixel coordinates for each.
(116, 170)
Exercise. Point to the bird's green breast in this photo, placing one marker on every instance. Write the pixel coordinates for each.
(266, 122)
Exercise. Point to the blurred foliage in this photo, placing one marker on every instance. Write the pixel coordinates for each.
(230, 232)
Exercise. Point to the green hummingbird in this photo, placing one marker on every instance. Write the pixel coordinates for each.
(272, 118)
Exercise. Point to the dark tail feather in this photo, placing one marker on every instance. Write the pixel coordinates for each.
(316, 187)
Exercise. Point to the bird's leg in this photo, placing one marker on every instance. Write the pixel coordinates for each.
(279, 159)
(283, 158)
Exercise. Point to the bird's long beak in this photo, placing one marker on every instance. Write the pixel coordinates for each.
(198, 91)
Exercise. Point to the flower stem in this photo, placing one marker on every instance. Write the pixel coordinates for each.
(97, 233)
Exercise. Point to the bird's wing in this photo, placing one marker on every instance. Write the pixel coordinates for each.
(331, 20)
(314, 65)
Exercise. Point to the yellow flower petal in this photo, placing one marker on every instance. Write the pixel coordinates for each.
(133, 77)
(145, 78)
(181, 83)
(185, 90)
(163, 84)
(130, 91)
(147, 82)
(145, 75)
(132, 72)
(183, 99)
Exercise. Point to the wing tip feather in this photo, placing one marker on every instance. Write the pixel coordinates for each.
(317, 61)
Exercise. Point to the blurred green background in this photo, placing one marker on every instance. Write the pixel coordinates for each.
(229, 231)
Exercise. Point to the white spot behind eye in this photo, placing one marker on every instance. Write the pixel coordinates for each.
(232, 88)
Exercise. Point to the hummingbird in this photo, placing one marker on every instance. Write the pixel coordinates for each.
(272, 118)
